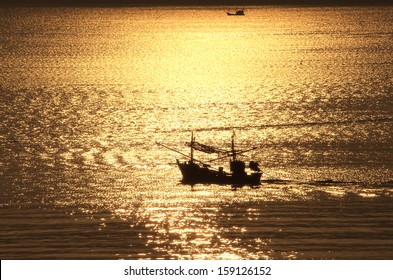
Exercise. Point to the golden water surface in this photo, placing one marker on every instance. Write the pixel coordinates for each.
(86, 93)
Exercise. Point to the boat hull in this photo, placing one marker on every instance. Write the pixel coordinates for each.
(195, 174)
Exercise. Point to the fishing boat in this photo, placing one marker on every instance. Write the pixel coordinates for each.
(195, 171)
(238, 12)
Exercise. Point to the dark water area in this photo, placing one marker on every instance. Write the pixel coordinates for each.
(86, 93)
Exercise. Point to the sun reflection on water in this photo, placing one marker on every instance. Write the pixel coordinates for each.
(81, 115)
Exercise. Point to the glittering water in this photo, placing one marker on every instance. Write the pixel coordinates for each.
(86, 93)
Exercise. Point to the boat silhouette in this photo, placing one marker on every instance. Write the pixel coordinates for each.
(195, 171)
(238, 12)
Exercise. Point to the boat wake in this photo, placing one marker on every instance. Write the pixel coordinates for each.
(327, 183)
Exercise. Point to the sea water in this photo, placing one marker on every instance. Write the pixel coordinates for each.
(87, 92)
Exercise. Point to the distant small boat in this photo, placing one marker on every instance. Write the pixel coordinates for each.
(238, 12)
(195, 171)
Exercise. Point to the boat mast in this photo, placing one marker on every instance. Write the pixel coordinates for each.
(233, 146)
(192, 146)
